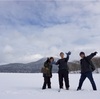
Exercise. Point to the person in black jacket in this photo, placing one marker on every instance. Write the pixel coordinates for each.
(48, 75)
(86, 70)
(63, 70)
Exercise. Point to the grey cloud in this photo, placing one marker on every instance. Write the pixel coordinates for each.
(58, 26)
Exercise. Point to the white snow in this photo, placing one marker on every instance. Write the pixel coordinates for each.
(28, 86)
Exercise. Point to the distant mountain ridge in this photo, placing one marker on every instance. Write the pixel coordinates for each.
(35, 67)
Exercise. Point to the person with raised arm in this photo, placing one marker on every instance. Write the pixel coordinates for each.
(86, 70)
(63, 72)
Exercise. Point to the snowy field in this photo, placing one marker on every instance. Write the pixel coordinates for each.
(28, 86)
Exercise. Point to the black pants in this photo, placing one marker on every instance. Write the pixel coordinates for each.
(47, 81)
(63, 74)
(90, 77)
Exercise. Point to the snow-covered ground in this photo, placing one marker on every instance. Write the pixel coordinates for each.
(28, 86)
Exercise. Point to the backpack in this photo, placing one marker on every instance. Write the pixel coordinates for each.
(44, 70)
(91, 64)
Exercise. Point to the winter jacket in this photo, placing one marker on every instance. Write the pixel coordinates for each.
(63, 63)
(48, 65)
(85, 66)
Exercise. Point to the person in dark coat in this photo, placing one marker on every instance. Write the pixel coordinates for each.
(48, 75)
(63, 70)
(86, 70)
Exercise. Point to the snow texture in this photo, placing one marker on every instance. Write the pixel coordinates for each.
(28, 86)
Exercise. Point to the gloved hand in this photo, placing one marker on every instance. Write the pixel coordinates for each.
(51, 76)
(69, 53)
(96, 52)
(53, 63)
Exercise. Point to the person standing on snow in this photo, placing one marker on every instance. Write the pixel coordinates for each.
(63, 70)
(86, 69)
(47, 72)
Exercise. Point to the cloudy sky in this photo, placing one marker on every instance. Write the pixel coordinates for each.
(32, 29)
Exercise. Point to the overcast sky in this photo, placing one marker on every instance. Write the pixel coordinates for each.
(32, 29)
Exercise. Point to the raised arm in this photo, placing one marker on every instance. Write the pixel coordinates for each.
(91, 55)
(68, 54)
